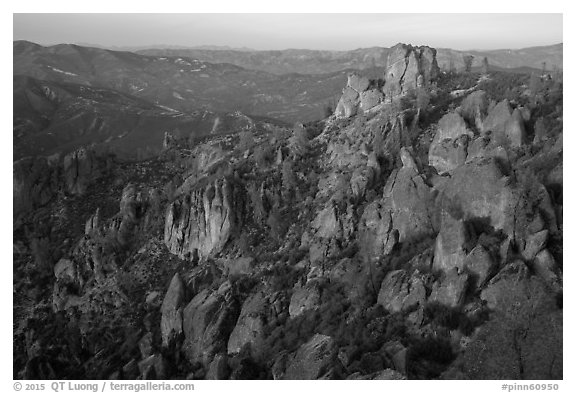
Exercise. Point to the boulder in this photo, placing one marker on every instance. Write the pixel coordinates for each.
(376, 235)
(505, 124)
(370, 98)
(171, 311)
(397, 353)
(451, 290)
(450, 249)
(497, 117)
(152, 367)
(218, 369)
(313, 359)
(249, 330)
(451, 126)
(479, 190)
(410, 202)
(545, 268)
(401, 291)
(146, 346)
(304, 299)
(474, 107)
(407, 159)
(480, 265)
(207, 323)
(534, 243)
(448, 154)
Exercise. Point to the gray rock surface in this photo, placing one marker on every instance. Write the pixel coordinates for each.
(204, 220)
(401, 291)
(313, 359)
(171, 310)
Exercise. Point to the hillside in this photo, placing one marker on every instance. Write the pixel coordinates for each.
(415, 233)
(60, 117)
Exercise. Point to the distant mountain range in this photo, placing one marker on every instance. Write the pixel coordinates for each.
(306, 61)
(67, 96)
(183, 83)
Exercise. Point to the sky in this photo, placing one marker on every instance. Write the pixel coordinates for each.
(283, 30)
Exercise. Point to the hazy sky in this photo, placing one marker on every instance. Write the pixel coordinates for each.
(281, 31)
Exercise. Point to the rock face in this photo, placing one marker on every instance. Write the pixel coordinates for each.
(401, 215)
(82, 167)
(448, 150)
(171, 322)
(357, 95)
(409, 66)
(203, 221)
(474, 108)
(506, 126)
(207, 322)
(479, 189)
(400, 291)
(451, 290)
(305, 298)
(249, 331)
(35, 183)
(450, 250)
(480, 265)
(313, 359)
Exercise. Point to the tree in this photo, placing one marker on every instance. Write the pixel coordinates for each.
(468, 62)
(485, 65)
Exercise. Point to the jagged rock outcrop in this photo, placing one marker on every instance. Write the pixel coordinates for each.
(479, 189)
(304, 298)
(450, 290)
(448, 150)
(405, 212)
(474, 108)
(401, 291)
(249, 330)
(376, 232)
(35, 183)
(357, 95)
(69, 280)
(409, 67)
(171, 310)
(450, 249)
(506, 125)
(208, 321)
(203, 221)
(313, 359)
(81, 168)
(480, 265)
